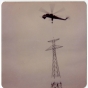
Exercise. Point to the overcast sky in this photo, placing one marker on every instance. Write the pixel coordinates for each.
(25, 63)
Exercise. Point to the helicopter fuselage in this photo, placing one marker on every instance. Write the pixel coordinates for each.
(50, 16)
(53, 17)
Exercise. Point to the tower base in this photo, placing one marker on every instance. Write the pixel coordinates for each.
(56, 85)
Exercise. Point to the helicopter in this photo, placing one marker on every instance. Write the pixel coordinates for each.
(52, 16)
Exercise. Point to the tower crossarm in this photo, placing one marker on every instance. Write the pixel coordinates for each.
(53, 40)
(54, 47)
(53, 44)
(50, 48)
(58, 46)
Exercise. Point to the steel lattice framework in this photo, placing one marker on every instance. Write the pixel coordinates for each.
(55, 67)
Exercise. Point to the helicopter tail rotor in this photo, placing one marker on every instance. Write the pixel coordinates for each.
(67, 17)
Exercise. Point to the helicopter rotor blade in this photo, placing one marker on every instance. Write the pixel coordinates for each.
(59, 11)
(42, 10)
(52, 7)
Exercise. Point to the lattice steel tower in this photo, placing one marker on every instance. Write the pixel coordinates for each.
(55, 67)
